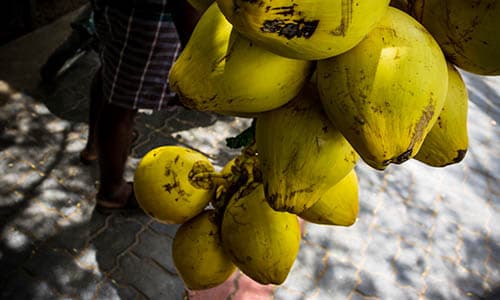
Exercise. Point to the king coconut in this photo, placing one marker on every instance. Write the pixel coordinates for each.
(386, 93)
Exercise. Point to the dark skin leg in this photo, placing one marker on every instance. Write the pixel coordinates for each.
(109, 140)
(114, 138)
(89, 154)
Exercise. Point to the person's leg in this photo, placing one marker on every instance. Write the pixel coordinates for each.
(89, 153)
(114, 138)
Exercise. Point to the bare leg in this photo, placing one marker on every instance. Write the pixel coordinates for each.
(114, 138)
(89, 154)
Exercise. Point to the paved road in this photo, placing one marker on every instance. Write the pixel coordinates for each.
(422, 233)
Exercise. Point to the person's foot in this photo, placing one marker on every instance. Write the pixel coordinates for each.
(123, 198)
(88, 156)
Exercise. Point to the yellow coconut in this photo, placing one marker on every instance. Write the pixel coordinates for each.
(220, 70)
(302, 154)
(163, 187)
(198, 254)
(447, 141)
(304, 29)
(339, 205)
(467, 31)
(386, 93)
(262, 242)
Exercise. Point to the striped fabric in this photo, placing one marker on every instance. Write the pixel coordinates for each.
(140, 45)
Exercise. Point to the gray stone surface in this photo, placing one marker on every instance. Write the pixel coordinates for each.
(422, 233)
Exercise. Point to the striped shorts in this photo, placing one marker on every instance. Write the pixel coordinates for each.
(139, 45)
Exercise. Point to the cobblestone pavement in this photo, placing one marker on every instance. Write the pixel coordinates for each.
(422, 233)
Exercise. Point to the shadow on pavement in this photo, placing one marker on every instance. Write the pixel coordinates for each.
(54, 244)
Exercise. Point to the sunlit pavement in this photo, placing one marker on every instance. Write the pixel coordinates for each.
(422, 233)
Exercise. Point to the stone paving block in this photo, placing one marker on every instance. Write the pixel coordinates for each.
(158, 119)
(468, 209)
(494, 188)
(119, 236)
(396, 292)
(17, 247)
(473, 252)
(414, 234)
(289, 293)
(77, 137)
(446, 237)
(45, 158)
(335, 239)
(85, 258)
(21, 286)
(381, 245)
(71, 207)
(338, 281)
(477, 183)
(366, 285)
(166, 229)
(351, 238)
(148, 278)
(470, 285)
(17, 175)
(127, 292)
(39, 130)
(438, 267)
(97, 223)
(153, 140)
(480, 157)
(131, 165)
(58, 270)
(52, 193)
(467, 283)
(391, 212)
(494, 245)
(369, 191)
(409, 263)
(70, 174)
(157, 247)
(399, 184)
(365, 222)
(106, 290)
(6, 211)
(439, 288)
(423, 217)
(48, 183)
(369, 177)
(187, 119)
(137, 215)
(357, 296)
(317, 234)
(375, 285)
(71, 239)
(57, 197)
(37, 219)
(31, 135)
(493, 276)
(307, 269)
(427, 184)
